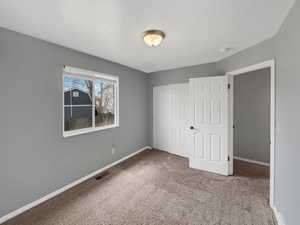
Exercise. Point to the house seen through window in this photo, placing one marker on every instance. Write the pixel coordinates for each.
(90, 101)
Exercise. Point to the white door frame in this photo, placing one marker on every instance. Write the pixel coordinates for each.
(267, 64)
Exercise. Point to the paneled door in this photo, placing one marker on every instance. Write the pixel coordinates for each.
(170, 119)
(209, 124)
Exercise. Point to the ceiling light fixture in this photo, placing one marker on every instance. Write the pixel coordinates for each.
(153, 38)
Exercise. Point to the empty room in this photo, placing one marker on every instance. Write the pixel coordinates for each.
(149, 112)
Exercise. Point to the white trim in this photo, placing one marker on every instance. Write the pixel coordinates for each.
(267, 64)
(66, 187)
(77, 105)
(259, 66)
(252, 161)
(279, 216)
(74, 70)
(94, 76)
(230, 124)
(87, 130)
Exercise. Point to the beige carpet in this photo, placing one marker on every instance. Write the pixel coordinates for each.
(158, 188)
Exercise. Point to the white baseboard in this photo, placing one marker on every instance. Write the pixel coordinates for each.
(279, 216)
(64, 188)
(252, 161)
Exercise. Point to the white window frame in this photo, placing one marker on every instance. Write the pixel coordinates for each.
(94, 76)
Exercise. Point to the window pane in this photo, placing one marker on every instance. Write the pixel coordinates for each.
(104, 103)
(77, 91)
(67, 88)
(78, 117)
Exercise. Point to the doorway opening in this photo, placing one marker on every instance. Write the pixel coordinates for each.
(252, 124)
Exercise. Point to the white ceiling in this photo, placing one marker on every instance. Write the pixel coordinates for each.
(111, 29)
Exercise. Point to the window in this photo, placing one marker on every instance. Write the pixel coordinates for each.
(90, 101)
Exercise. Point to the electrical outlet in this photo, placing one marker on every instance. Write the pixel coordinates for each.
(113, 150)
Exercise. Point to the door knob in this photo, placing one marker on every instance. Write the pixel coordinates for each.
(192, 128)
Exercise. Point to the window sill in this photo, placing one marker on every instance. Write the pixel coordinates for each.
(87, 130)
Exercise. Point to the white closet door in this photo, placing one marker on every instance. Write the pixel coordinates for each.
(170, 119)
(209, 106)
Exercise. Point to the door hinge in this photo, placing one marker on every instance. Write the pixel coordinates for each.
(228, 158)
(228, 86)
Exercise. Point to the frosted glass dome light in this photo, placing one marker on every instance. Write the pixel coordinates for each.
(153, 38)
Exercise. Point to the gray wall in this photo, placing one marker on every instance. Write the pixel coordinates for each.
(285, 48)
(252, 115)
(35, 160)
(182, 75)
